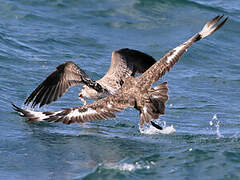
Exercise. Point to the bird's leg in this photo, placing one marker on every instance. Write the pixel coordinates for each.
(156, 125)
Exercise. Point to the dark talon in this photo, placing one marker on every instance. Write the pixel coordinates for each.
(156, 125)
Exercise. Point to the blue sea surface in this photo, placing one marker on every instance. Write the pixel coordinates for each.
(204, 90)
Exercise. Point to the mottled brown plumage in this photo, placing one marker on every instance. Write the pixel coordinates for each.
(58, 82)
(136, 92)
(125, 62)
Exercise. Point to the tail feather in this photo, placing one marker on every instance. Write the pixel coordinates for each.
(159, 92)
(155, 107)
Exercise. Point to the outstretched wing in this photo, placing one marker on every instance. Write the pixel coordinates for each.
(101, 109)
(125, 62)
(169, 59)
(58, 82)
(136, 61)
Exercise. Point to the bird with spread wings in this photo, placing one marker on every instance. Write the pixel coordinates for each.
(125, 62)
(136, 92)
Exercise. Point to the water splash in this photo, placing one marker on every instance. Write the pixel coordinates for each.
(215, 121)
(149, 129)
(218, 130)
(128, 166)
(214, 118)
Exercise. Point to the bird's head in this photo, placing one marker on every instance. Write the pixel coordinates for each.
(91, 93)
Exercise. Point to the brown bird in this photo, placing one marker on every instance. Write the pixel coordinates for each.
(136, 92)
(125, 62)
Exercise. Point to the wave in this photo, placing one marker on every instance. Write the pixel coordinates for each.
(196, 3)
(126, 166)
(221, 5)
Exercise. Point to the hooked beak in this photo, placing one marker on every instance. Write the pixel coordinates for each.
(80, 96)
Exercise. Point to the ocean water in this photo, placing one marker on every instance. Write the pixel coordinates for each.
(202, 120)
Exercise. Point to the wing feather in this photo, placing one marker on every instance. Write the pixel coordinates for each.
(101, 109)
(57, 83)
(170, 58)
(125, 62)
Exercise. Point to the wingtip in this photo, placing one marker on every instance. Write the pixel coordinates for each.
(211, 26)
(215, 20)
(16, 108)
(221, 24)
(27, 102)
(225, 19)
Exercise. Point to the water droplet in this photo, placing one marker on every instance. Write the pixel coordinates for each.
(218, 130)
(214, 117)
(210, 123)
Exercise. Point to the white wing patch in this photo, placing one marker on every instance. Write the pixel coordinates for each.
(175, 52)
(76, 113)
(39, 115)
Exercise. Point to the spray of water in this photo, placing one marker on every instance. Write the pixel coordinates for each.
(149, 129)
(216, 122)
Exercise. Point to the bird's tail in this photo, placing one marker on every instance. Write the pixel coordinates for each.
(155, 104)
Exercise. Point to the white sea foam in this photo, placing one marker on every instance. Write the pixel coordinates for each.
(214, 117)
(215, 121)
(149, 129)
(218, 130)
(211, 123)
(127, 166)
